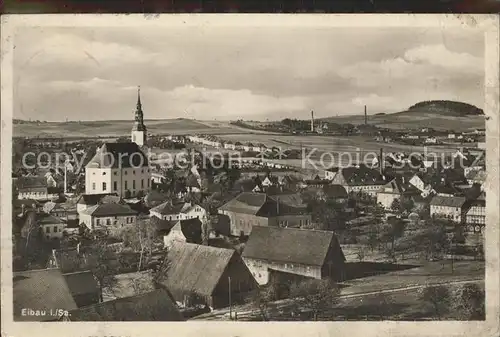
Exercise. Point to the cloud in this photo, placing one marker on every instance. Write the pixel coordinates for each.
(241, 72)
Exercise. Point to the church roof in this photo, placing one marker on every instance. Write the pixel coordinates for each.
(118, 155)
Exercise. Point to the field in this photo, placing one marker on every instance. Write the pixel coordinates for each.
(122, 128)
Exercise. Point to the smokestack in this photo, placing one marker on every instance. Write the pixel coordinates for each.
(381, 163)
(312, 121)
(366, 117)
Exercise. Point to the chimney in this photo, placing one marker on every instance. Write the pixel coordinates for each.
(312, 121)
(381, 161)
(366, 117)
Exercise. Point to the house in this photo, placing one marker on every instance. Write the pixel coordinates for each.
(329, 174)
(424, 187)
(83, 287)
(430, 140)
(178, 210)
(120, 168)
(452, 136)
(61, 210)
(308, 253)
(51, 226)
(359, 178)
(206, 275)
(156, 305)
(475, 211)
(396, 189)
(447, 207)
(184, 231)
(193, 184)
(88, 200)
(108, 215)
(35, 188)
(249, 209)
(476, 177)
(38, 294)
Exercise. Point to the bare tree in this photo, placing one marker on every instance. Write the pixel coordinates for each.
(316, 296)
(263, 297)
(438, 297)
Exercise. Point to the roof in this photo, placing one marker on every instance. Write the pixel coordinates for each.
(46, 219)
(109, 209)
(170, 207)
(439, 200)
(81, 283)
(362, 175)
(40, 290)
(118, 155)
(93, 199)
(261, 204)
(335, 191)
(156, 305)
(293, 245)
(163, 225)
(191, 229)
(154, 198)
(196, 268)
(192, 181)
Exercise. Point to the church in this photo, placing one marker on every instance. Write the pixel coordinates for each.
(121, 168)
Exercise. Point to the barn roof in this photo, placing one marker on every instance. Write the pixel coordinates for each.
(43, 289)
(196, 268)
(156, 305)
(292, 245)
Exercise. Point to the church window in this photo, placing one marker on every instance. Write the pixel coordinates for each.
(133, 184)
(115, 185)
(104, 186)
(142, 183)
(93, 186)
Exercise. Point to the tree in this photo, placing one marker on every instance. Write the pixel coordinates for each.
(469, 300)
(99, 259)
(317, 296)
(437, 297)
(142, 238)
(396, 206)
(263, 297)
(384, 305)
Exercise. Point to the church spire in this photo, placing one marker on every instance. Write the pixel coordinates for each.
(139, 105)
(139, 116)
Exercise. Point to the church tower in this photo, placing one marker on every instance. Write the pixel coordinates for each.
(139, 129)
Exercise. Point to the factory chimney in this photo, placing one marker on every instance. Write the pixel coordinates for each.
(312, 121)
(381, 162)
(366, 117)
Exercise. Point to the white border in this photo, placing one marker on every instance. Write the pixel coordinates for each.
(488, 23)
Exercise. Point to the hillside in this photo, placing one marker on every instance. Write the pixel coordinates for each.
(447, 108)
(440, 115)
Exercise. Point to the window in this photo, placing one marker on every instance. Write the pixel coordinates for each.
(98, 222)
(55, 229)
(142, 183)
(115, 173)
(108, 222)
(104, 173)
(131, 219)
(142, 171)
(126, 183)
(93, 186)
(47, 229)
(133, 171)
(125, 172)
(104, 186)
(115, 185)
(148, 183)
(133, 184)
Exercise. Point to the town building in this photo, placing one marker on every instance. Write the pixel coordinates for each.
(156, 305)
(139, 131)
(51, 226)
(120, 168)
(184, 231)
(178, 210)
(205, 275)
(61, 210)
(359, 179)
(447, 207)
(475, 211)
(109, 215)
(88, 200)
(308, 253)
(396, 189)
(40, 290)
(476, 177)
(250, 209)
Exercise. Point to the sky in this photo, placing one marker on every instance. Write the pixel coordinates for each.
(241, 72)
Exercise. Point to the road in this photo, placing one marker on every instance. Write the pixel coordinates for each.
(246, 314)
